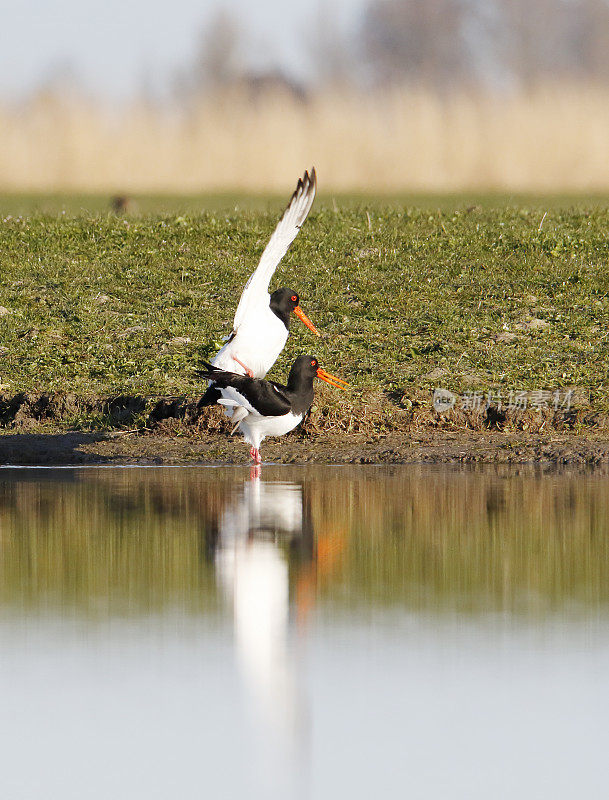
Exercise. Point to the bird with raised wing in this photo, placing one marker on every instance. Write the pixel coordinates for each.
(265, 408)
(262, 321)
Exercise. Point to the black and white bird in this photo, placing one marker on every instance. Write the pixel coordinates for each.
(265, 408)
(262, 321)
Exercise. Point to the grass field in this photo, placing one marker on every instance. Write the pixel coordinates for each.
(491, 295)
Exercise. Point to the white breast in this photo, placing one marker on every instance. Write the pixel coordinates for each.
(256, 428)
(258, 343)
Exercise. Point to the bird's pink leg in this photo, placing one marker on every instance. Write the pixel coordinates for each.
(255, 454)
(247, 369)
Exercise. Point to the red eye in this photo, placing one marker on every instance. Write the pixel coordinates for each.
(313, 363)
(294, 298)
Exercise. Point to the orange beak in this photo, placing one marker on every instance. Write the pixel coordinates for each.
(331, 379)
(303, 318)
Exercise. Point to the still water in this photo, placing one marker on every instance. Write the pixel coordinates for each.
(319, 632)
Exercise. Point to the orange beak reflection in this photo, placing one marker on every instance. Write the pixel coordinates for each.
(303, 318)
(331, 379)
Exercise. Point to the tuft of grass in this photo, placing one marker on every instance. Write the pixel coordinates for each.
(497, 297)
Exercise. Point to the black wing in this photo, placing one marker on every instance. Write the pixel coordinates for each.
(267, 397)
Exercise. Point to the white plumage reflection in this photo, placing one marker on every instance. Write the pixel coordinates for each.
(264, 542)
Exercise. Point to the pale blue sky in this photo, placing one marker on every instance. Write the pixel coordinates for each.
(112, 44)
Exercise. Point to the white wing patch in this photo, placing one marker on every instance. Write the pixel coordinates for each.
(255, 292)
(231, 398)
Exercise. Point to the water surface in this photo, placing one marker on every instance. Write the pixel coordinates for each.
(317, 632)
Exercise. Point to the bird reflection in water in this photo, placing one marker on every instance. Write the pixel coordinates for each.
(264, 560)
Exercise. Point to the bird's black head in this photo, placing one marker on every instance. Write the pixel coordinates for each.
(284, 302)
(306, 368)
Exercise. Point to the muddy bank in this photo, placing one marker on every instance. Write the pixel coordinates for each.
(107, 448)
(63, 429)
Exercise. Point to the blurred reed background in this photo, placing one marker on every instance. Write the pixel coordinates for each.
(552, 138)
(443, 95)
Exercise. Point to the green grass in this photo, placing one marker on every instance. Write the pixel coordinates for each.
(96, 301)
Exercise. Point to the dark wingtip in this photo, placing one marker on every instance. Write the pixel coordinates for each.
(311, 181)
(306, 186)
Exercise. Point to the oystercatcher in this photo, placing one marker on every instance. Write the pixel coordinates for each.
(265, 408)
(262, 321)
